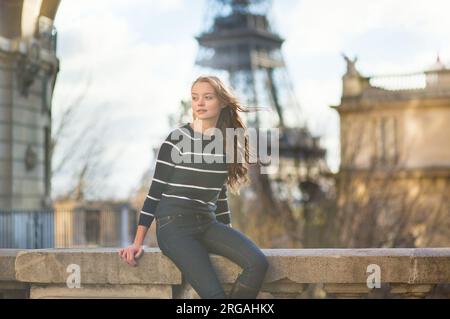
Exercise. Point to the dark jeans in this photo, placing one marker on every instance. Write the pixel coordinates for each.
(187, 240)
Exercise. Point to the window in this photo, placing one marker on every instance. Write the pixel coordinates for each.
(386, 148)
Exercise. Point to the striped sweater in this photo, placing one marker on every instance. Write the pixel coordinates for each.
(187, 179)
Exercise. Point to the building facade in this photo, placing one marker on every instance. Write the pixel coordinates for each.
(394, 178)
(28, 70)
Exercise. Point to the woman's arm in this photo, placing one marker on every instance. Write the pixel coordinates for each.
(141, 232)
(223, 213)
(163, 170)
(135, 250)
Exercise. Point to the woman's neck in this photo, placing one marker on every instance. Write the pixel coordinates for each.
(202, 125)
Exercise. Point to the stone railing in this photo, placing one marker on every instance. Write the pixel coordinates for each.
(397, 82)
(53, 273)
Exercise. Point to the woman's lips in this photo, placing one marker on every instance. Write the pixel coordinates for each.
(201, 111)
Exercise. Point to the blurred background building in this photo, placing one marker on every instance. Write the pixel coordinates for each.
(394, 178)
(29, 67)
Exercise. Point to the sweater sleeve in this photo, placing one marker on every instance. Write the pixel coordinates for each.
(162, 173)
(222, 212)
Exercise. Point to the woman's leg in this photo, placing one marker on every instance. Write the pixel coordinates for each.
(192, 259)
(232, 244)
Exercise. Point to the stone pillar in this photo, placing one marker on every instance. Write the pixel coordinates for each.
(28, 69)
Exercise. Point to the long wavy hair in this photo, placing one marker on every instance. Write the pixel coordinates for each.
(230, 118)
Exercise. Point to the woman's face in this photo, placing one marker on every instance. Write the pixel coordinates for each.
(205, 103)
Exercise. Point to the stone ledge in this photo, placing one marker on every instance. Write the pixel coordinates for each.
(342, 271)
(97, 266)
(9, 286)
(101, 291)
(7, 264)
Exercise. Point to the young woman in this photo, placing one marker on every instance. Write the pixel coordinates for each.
(188, 197)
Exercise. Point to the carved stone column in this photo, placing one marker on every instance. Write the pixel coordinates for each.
(28, 70)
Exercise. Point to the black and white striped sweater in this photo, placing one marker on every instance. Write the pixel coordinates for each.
(189, 181)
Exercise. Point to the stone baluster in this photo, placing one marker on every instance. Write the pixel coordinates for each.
(347, 291)
(284, 289)
(413, 291)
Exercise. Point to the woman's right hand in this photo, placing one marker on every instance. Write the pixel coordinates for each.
(131, 253)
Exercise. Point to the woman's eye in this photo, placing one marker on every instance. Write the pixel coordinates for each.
(209, 97)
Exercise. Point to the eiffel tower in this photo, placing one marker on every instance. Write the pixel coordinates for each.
(239, 43)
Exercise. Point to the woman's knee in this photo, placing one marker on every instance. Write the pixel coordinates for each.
(265, 263)
(261, 263)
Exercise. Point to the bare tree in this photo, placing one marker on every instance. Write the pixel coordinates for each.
(78, 147)
(376, 207)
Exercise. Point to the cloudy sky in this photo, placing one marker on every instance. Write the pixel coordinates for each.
(137, 56)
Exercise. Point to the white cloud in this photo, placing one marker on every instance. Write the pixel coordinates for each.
(325, 26)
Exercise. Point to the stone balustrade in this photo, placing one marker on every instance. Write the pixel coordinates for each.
(293, 273)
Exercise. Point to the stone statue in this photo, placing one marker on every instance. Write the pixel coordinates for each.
(351, 68)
